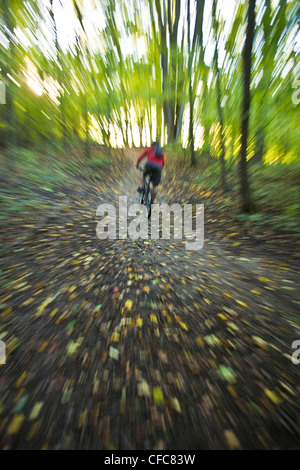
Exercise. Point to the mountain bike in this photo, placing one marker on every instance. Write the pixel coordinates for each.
(146, 195)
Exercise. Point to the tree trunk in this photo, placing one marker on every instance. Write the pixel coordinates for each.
(268, 56)
(247, 56)
(59, 78)
(168, 26)
(11, 138)
(206, 145)
(220, 112)
(87, 151)
(191, 101)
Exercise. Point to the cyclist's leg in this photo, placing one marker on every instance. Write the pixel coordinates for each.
(154, 192)
(143, 179)
(156, 177)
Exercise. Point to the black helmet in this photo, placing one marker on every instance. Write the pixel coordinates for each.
(157, 149)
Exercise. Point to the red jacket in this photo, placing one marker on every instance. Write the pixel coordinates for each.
(151, 157)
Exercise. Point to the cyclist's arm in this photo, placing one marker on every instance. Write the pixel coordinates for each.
(143, 155)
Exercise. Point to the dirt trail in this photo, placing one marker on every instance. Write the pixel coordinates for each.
(122, 344)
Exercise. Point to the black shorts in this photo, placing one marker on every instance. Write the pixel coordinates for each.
(154, 171)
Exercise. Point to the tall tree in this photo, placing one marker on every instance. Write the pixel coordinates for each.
(59, 76)
(203, 74)
(247, 57)
(10, 136)
(264, 85)
(219, 99)
(168, 15)
(191, 100)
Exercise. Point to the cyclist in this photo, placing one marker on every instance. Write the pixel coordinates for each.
(154, 165)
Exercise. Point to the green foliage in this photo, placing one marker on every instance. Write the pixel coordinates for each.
(275, 189)
(31, 173)
(208, 176)
(100, 161)
(175, 149)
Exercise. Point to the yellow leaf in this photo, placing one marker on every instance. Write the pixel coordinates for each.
(260, 341)
(42, 307)
(263, 279)
(158, 396)
(174, 403)
(153, 318)
(212, 340)
(200, 342)
(223, 317)
(60, 319)
(146, 289)
(233, 326)
(72, 296)
(15, 424)
(256, 291)
(232, 440)
(183, 326)
(43, 346)
(6, 313)
(127, 306)
(53, 312)
(143, 389)
(28, 301)
(115, 337)
(21, 380)
(35, 410)
(82, 419)
(275, 399)
(232, 391)
(228, 295)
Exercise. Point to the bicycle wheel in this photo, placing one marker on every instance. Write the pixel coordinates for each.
(148, 201)
(141, 197)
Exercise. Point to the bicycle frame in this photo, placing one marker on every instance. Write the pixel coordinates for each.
(146, 196)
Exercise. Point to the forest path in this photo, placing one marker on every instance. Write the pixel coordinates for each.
(122, 344)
